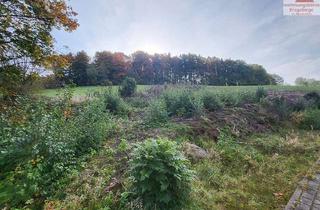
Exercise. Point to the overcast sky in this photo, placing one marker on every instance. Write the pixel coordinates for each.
(252, 30)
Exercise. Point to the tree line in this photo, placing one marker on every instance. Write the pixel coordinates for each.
(307, 82)
(108, 68)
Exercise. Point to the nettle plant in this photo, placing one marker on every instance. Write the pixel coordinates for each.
(160, 176)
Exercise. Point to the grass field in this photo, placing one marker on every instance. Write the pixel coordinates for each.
(83, 91)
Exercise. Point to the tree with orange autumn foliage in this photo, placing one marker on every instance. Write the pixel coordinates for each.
(25, 27)
(26, 42)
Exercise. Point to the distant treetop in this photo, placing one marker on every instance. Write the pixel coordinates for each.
(109, 68)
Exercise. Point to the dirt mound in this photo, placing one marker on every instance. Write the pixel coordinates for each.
(241, 120)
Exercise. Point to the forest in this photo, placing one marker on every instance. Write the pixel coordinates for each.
(107, 68)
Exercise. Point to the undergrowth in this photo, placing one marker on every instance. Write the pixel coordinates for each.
(42, 143)
(260, 173)
(67, 155)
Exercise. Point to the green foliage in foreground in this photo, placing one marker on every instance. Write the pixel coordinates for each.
(211, 102)
(42, 143)
(157, 114)
(259, 172)
(160, 175)
(239, 173)
(261, 93)
(182, 103)
(114, 103)
(310, 119)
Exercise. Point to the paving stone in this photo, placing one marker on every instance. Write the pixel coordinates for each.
(315, 207)
(311, 192)
(309, 195)
(313, 185)
(303, 207)
(306, 201)
(293, 200)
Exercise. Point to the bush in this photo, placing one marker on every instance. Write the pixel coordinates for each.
(161, 178)
(310, 119)
(229, 99)
(313, 99)
(157, 113)
(182, 103)
(137, 102)
(299, 105)
(261, 93)
(42, 143)
(279, 106)
(128, 87)
(233, 99)
(93, 125)
(211, 102)
(114, 103)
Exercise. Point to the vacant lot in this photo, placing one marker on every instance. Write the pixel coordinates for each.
(247, 146)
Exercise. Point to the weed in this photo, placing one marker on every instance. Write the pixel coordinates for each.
(261, 93)
(313, 98)
(115, 104)
(211, 102)
(157, 113)
(311, 119)
(182, 103)
(160, 175)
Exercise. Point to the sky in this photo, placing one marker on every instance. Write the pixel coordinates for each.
(251, 30)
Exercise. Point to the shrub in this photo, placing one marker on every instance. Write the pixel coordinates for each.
(261, 93)
(157, 113)
(42, 143)
(93, 124)
(313, 98)
(246, 97)
(161, 178)
(114, 103)
(279, 106)
(299, 105)
(211, 102)
(229, 99)
(182, 103)
(128, 87)
(137, 102)
(311, 119)
(233, 99)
